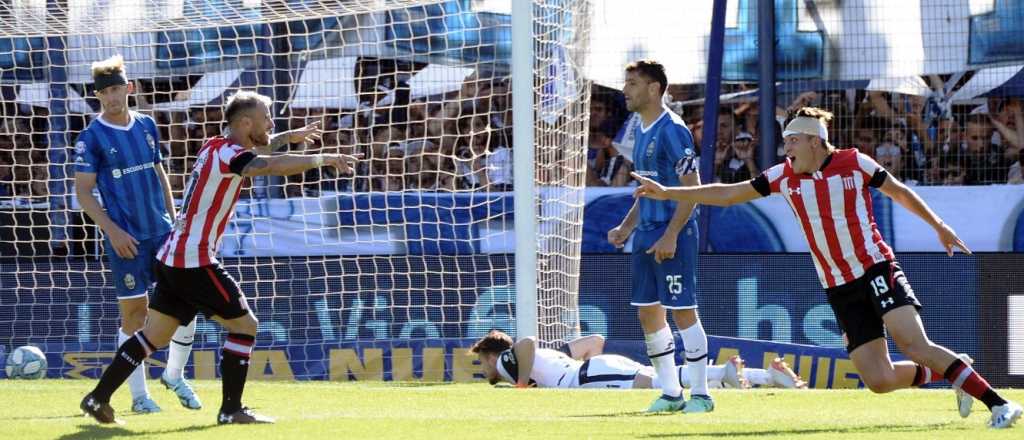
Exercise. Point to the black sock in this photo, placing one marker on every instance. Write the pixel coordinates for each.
(234, 367)
(127, 358)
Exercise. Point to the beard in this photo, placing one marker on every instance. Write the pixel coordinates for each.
(260, 139)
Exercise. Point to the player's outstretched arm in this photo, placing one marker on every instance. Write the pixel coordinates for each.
(309, 133)
(717, 194)
(288, 164)
(908, 199)
(524, 350)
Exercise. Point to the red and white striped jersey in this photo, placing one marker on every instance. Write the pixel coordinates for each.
(833, 206)
(210, 199)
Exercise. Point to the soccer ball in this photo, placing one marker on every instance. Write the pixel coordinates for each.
(26, 362)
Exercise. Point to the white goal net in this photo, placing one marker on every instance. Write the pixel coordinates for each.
(387, 274)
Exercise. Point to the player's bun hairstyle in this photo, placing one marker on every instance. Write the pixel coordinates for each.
(814, 112)
(243, 101)
(496, 341)
(652, 70)
(109, 66)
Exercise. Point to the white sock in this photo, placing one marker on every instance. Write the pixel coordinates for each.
(715, 373)
(758, 376)
(661, 348)
(137, 380)
(695, 341)
(682, 376)
(181, 347)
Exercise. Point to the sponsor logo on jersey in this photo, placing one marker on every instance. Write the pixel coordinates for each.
(126, 171)
(848, 183)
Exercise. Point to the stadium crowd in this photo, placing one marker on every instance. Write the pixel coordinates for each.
(915, 138)
(461, 140)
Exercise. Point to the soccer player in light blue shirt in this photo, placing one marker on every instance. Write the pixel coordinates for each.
(664, 259)
(119, 154)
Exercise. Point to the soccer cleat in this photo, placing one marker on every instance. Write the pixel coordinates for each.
(734, 373)
(100, 411)
(964, 401)
(242, 416)
(144, 405)
(783, 376)
(699, 404)
(667, 404)
(183, 390)
(1004, 415)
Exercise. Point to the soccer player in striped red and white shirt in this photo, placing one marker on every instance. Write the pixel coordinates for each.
(828, 191)
(189, 277)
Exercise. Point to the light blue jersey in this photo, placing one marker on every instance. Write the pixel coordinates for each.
(662, 152)
(124, 160)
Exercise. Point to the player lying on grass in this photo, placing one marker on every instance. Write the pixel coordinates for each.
(827, 188)
(733, 374)
(523, 364)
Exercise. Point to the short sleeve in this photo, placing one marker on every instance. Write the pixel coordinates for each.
(680, 150)
(228, 152)
(155, 133)
(874, 172)
(239, 162)
(87, 157)
(768, 182)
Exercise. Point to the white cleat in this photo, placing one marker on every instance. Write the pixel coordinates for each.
(783, 376)
(1004, 415)
(734, 373)
(964, 401)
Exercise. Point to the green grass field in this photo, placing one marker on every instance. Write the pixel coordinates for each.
(49, 409)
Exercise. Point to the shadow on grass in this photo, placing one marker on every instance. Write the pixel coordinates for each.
(92, 430)
(24, 418)
(812, 431)
(621, 414)
(417, 384)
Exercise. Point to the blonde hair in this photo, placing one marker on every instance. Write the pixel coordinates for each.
(243, 101)
(109, 66)
(816, 113)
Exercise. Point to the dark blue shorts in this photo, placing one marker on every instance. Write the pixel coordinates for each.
(671, 283)
(133, 277)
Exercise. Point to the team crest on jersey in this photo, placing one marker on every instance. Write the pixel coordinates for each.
(79, 147)
(129, 281)
(649, 149)
(151, 142)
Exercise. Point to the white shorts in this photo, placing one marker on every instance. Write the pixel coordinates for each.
(609, 371)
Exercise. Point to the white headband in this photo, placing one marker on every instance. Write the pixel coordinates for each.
(807, 125)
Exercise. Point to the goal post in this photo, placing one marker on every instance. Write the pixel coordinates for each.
(464, 215)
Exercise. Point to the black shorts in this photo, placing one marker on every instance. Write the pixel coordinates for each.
(183, 292)
(860, 304)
